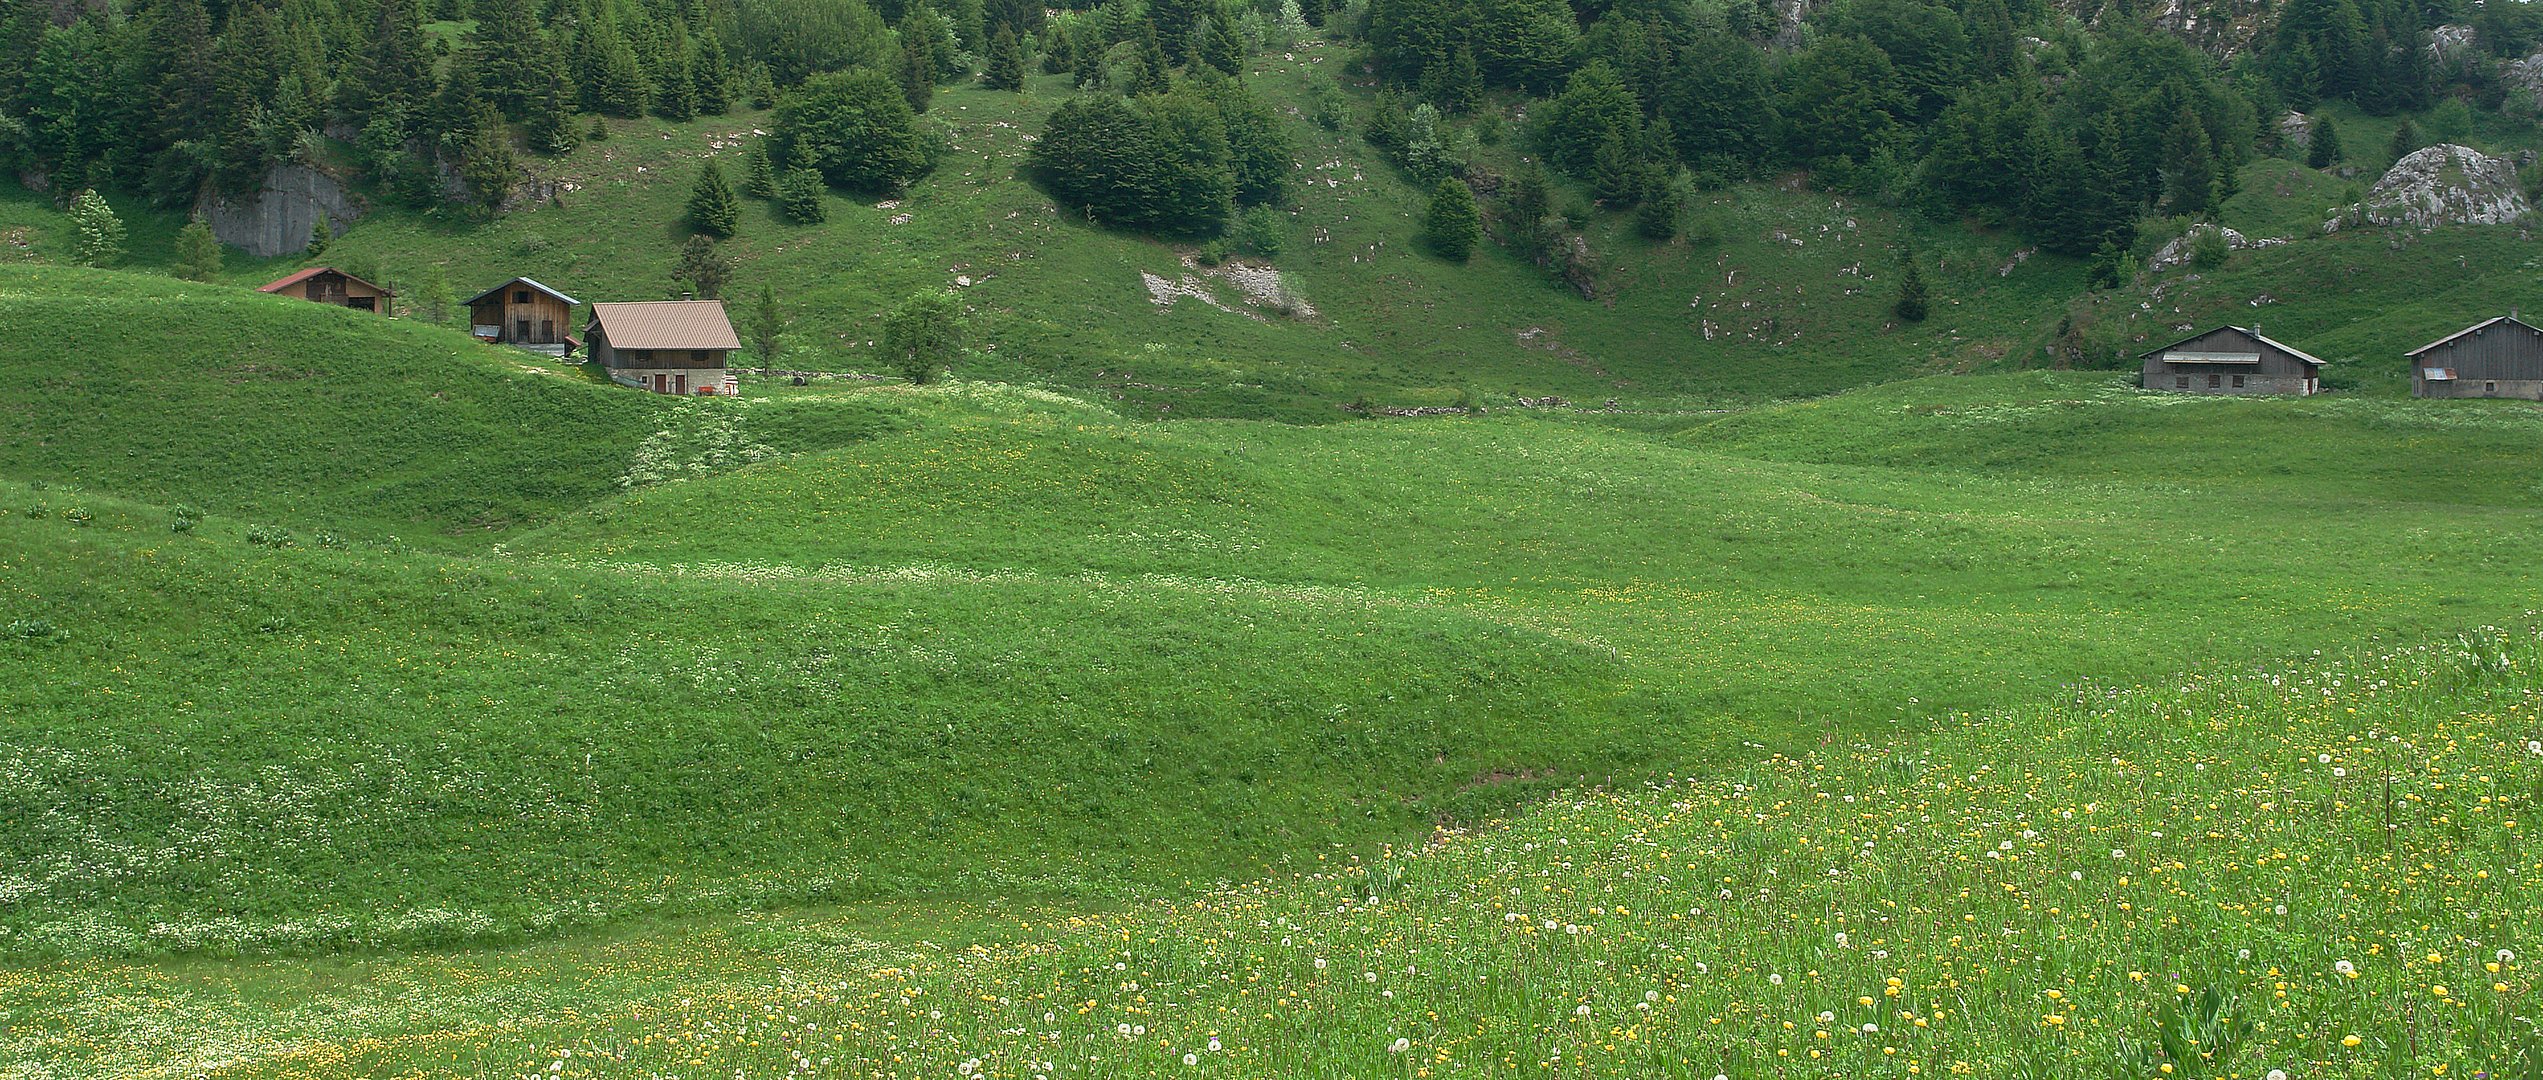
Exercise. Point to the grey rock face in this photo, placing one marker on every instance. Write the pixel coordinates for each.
(2441, 185)
(279, 217)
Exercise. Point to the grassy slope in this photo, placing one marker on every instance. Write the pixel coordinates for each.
(2329, 856)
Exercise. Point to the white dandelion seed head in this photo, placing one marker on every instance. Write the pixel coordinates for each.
(1191, 1059)
(1871, 1029)
(2277, 1074)
(2344, 967)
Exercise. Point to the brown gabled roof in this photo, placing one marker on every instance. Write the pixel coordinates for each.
(295, 279)
(665, 324)
(2469, 331)
(2255, 335)
(569, 301)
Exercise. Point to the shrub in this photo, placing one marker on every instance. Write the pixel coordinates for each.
(269, 536)
(854, 128)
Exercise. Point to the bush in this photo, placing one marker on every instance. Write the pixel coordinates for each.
(855, 129)
(1261, 231)
(269, 536)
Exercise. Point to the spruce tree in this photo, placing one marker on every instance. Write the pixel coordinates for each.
(712, 75)
(321, 234)
(712, 208)
(1156, 76)
(1657, 217)
(1615, 172)
(799, 196)
(101, 233)
(2189, 172)
(1911, 305)
(759, 173)
(2406, 140)
(1452, 227)
(198, 252)
(432, 301)
(1461, 85)
(486, 164)
(1221, 48)
(702, 268)
(2325, 151)
(768, 328)
(917, 72)
(550, 125)
(675, 83)
(1526, 201)
(1005, 70)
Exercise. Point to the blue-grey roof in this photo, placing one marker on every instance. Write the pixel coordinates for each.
(525, 281)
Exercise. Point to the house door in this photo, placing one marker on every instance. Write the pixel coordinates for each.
(547, 331)
(661, 383)
(521, 331)
(680, 382)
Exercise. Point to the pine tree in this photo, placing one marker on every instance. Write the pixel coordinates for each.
(1155, 76)
(711, 73)
(2189, 173)
(1005, 70)
(702, 268)
(550, 125)
(2406, 140)
(486, 164)
(1657, 218)
(712, 208)
(917, 72)
(1526, 201)
(1221, 48)
(432, 300)
(1452, 227)
(1461, 84)
(1615, 172)
(759, 173)
(198, 252)
(799, 197)
(768, 328)
(321, 234)
(2325, 151)
(101, 233)
(1911, 305)
(675, 82)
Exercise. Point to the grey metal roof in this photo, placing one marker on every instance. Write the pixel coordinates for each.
(2469, 331)
(2210, 358)
(525, 281)
(2281, 346)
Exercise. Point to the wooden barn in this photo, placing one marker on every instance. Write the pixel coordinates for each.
(525, 313)
(2232, 360)
(666, 346)
(328, 285)
(2501, 358)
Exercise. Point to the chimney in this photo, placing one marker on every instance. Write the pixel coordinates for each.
(687, 295)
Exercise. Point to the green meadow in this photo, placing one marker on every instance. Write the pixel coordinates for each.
(605, 723)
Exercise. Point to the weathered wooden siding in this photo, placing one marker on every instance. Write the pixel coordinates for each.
(550, 320)
(2505, 351)
(2278, 372)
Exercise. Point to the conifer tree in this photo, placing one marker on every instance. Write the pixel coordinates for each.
(1155, 76)
(768, 328)
(2406, 140)
(321, 234)
(198, 252)
(799, 197)
(1221, 48)
(702, 268)
(712, 208)
(486, 163)
(1615, 172)
(1452, 227)
(917, 71)
(675, 82)
(550, 124)
(1005, 70)
(759, 172)
(711, 76)
(1911, 305)
(2325, 151)
(1526, 201)
(1662, 199)
(432, 299)
(2189, 173)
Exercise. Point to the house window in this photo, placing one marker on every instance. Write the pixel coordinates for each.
(2214, 380)
(2180, 382)
(702, 356)
(644, 355)
(2490, 388)
(521, 296)
(2238, 382)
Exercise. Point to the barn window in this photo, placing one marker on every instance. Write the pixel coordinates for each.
(2214, 380)
(702, 356)
(2180, 382)
(640, 354)
(2238, 382)
(2490, 388)
(521, 296)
